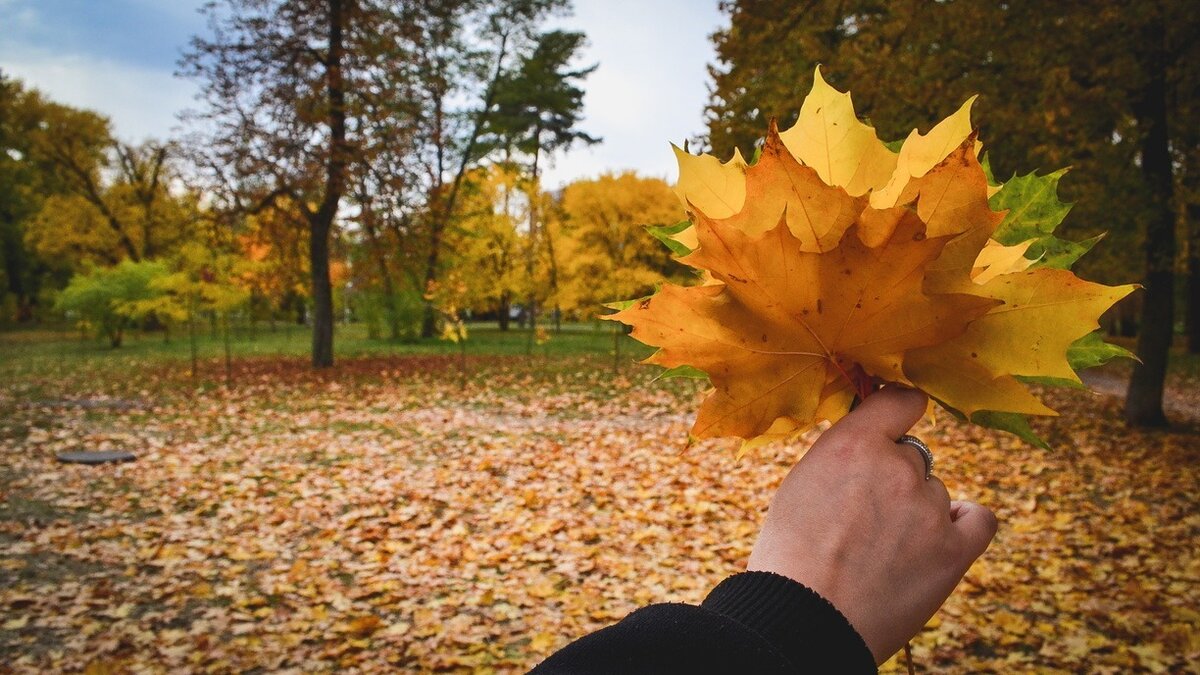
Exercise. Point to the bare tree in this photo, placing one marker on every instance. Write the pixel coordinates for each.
(280, 83)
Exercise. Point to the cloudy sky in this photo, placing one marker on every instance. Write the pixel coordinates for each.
(118, 57)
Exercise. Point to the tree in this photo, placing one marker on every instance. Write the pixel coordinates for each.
(606, 252)
(24, 185)
(114, 194)
(106, 298)
(71, 195)
(538, 107)
(1185, 96)
(201, 279)
(275, 241)
(1143, 402)
(279, 81)
(1191, 186)
(489, 241)
(468, 52)
(133, 217)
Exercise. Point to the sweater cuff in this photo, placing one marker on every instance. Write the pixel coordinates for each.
(803, 626)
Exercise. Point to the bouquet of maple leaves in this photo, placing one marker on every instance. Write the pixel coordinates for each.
(833, 264)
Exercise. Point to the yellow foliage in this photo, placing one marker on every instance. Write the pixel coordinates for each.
(604, 250)
(491, 238)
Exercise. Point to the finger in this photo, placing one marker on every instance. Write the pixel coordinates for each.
(891, 412)
(975, 524)
(941, 496)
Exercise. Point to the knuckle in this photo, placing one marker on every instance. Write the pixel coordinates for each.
(953, 548)
(904, 479)
(940, 493)
(840, 444)
(990, 522)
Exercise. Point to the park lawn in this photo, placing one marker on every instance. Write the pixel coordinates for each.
(387, 515)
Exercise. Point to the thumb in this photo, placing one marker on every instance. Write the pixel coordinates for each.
(975, 525)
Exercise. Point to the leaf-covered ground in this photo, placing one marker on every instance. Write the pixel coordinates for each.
(380, 517)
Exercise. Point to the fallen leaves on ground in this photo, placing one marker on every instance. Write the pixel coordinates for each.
(379, 517)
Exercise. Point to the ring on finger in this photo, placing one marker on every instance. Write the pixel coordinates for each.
(926, 453)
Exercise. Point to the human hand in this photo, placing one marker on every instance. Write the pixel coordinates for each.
(856, 521)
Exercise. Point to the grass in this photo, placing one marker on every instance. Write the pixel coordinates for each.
(29, 353)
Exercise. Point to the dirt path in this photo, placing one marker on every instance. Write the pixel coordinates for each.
(1182, 398)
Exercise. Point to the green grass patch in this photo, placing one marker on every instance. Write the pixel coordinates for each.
(31, 356)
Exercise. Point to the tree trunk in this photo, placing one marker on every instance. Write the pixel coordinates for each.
(393, 307)
(462, 364)
(429, 319)
(1144, 400)
(553, 280)
(1127, 314)
(25, 306)
(321, 222)
(533, 236)
(192, 347)
(1193, 278)
(505, 304)
(228, 352)
(322, 295)
(15, 262)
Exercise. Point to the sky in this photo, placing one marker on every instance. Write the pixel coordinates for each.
(119, 56)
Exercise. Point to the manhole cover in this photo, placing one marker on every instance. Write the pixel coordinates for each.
(96, 457)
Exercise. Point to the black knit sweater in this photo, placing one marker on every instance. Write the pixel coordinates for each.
(755, 622)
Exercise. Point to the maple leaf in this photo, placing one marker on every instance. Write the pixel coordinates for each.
(832, 264)
(828, 137)
(1034, 211)
(717, 188)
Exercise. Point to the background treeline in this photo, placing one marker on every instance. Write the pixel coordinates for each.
(379, 161)
(382, 160)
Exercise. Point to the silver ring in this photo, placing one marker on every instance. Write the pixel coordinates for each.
(926, 453)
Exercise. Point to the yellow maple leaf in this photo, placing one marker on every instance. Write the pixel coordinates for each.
(921, 152)
(996, 259)
(1044, 310)
(829, 137)
(778, 185)
(714, 187)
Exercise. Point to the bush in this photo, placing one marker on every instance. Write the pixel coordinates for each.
(105, 297)
(372, 308)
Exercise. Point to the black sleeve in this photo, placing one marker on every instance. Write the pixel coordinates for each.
(754, 622)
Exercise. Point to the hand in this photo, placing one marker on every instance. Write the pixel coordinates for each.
(856, 521)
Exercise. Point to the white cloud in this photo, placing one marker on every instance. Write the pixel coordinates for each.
(650, 87)
(141, 102)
